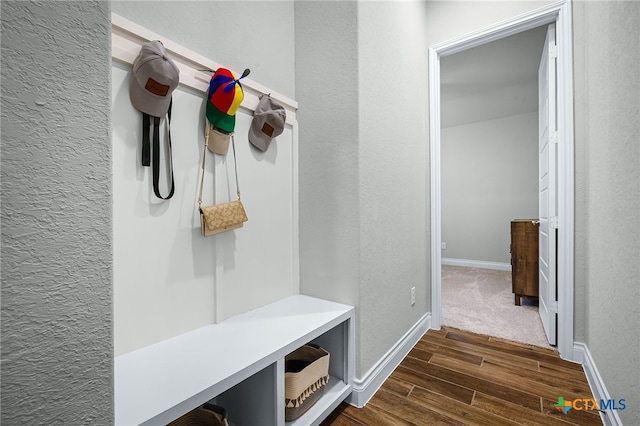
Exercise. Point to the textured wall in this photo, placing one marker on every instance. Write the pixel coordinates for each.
(489, 177)
(607, 90)
(363, 182)
(393, 177)
(56, 214)
(327, 90)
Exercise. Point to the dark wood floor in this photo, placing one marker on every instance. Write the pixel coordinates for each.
(453, 377)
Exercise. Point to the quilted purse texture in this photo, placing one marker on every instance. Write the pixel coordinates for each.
(222, 217)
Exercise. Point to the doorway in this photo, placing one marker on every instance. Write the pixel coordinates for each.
(560, 14)
(489, 177)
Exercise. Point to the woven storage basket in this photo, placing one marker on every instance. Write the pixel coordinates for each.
(305, 378)
(207, 415)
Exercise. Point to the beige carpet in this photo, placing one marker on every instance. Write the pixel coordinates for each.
(481, 301)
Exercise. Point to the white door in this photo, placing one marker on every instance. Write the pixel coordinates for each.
(547, 139)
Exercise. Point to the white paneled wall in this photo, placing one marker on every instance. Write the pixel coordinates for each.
(168, 279)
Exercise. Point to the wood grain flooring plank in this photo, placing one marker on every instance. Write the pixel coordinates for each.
(437, 333)
(549, 349)
(488, 386)
(466, 336)
(420, 354)
(412, 411)
(571, 385)
(514, 380)
(453, 353)
(578, 417)
(537, 353)
(343, 420)
(563, 363)
(434, 384)
(373, 415)
(554, 372)
(562, 371)
(398, 387)
(516, 413)
(432, 344)
(468, 414)
(339, 418)
(532, 352)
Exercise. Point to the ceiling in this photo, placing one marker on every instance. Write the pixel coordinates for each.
(497, 79)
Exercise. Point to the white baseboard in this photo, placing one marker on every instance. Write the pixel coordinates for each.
(365, 387)
(477, 264)
(596, 383)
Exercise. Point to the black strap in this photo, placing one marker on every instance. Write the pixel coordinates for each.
(146, 146)
(156, 151)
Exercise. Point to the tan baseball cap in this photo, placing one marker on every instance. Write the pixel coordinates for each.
(155, 77)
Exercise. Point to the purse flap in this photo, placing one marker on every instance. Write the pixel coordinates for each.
(221, 216)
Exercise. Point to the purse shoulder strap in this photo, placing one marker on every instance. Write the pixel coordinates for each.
(235, 165)
(204, 156)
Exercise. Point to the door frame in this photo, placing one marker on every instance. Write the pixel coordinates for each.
(560, 13)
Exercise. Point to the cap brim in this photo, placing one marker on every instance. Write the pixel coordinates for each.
(220, 119)
(142, 100)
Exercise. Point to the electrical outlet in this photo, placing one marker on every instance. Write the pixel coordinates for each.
(413, 296)
(443, 245)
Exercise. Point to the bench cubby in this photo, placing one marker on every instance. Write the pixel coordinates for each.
(238, 364)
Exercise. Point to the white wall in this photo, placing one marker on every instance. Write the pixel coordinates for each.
(168, 279)
(489, 175)
(607, 89)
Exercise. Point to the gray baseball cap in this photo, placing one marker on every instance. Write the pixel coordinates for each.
(155, 77)
(268, 122)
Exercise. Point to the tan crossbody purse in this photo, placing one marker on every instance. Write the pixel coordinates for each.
(221, 217)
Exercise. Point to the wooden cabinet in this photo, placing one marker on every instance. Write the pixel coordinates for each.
(524, 258)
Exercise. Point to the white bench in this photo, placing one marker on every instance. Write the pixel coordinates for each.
(239, 363)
